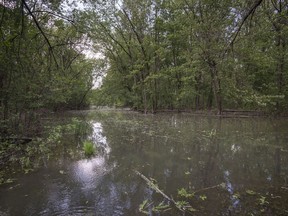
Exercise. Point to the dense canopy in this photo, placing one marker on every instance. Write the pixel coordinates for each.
(191, 54)
(156, 55)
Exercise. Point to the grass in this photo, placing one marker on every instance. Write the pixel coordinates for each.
(89, 148)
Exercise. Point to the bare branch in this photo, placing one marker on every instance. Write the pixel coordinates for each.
(116, 41)
(250, 12)
(53, 14)
(274, 5)
(40, 29)
(136, 33)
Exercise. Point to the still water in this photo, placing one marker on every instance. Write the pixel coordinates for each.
(228, 166)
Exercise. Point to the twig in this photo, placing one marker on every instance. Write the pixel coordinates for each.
(54, 14)
(208, 188)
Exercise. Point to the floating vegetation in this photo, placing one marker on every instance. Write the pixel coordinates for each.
(37, 151)
(250, 192)
(143, 206)
(6, 181)
(183, 193)
(181, 206)
(161, 208)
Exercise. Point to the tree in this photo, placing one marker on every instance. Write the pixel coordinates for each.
(43, 64)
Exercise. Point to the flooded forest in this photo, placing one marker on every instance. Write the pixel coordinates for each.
(143, 107)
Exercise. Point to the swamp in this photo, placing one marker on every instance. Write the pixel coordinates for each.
(164, 164)
(143, 107)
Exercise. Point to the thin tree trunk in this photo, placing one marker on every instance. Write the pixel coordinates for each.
(280, 64)
(210, 97)
(216, 86)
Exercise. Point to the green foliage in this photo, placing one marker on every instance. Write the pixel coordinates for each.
(250, 192)
(185, 206)
(143, 206)
(35, 73)
(89, 148)
(182, 59)
(183, 193)
(161, 208)
(263, 200)
(157, 55)
(203, 197)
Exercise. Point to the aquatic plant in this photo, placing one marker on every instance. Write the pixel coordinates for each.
(89, 148)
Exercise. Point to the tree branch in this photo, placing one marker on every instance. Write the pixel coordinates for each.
(250, 12)
(116, 41)
(136, 34)
(183, 209)
(40, 29)
(56, 15)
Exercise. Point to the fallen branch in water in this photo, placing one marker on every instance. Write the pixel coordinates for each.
(156, 188)
(222, 185)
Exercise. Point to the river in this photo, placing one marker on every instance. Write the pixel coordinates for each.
(210, 165)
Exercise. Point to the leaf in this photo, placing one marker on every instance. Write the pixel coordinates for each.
(161, 207)
(236, 196)
(142, 206)
(191, 209)
(250, 192)
(203, 197)
(263, 200)
(223, 185)
(8, 181)
(183, 193)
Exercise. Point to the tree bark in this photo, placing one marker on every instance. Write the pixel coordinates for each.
(216, 85)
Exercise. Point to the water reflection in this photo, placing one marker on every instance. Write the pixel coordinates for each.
(90, 171)
(178, 151)
(235, 201)
(98, 138)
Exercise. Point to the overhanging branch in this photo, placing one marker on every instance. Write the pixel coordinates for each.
(250, 12)
(53, 14)
(40, 29)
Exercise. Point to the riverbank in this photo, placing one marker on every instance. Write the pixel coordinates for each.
(226, 113)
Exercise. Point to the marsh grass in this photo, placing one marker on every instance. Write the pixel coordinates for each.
(89, 148)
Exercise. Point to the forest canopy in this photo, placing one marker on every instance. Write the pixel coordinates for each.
(156, 54)
(42, 61)
(191, 54)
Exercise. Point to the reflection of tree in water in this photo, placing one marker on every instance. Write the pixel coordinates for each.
(177, 152)
(165, 151)
(95, 185)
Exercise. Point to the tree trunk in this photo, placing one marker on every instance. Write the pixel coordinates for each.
(210, 97)
(216, 86)
(280, 64)
(197, 89)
